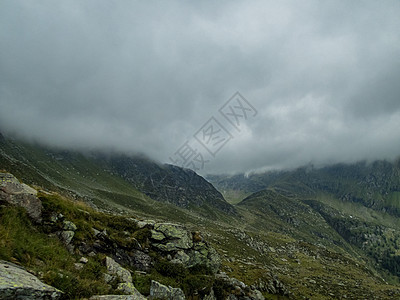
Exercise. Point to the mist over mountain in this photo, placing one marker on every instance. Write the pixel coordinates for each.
(145, 77)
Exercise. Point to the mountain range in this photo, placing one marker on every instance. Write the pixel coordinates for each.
(319, 233)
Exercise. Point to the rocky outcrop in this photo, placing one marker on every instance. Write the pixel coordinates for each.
(159, 291)
(188, 249)
(236, 289)
(116, 271)
(124, 278)
(20, 194)
(171, 241)
(17, 283)
(171, 237)
(67, 233)
(272, 286)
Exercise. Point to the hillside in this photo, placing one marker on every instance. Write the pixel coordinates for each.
(112, 180)
(358, 202)
(288, 240)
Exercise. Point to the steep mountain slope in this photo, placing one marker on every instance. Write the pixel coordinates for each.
(286, 241)
(357, 207)
(134, 182)
(285, 215)
(166, 183)
(375, 185)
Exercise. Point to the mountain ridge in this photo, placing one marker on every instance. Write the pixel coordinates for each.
(92, 175)
(291, 239)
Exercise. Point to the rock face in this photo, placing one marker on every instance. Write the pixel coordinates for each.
(123, 276)
(239, 290)
(166, 183)
(20, 194)
(17, 283)
(114, 269)
(272, 286)
(162, 292)
(184, 247)
(175, 237)
(67, 234)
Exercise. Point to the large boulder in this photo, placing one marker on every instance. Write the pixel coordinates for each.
(114, 269)
(171, 237)
(162, 292)
(123, 277)
(205, 255)
(186, 248)
(17, 283)
(20, 194)
(238, 289)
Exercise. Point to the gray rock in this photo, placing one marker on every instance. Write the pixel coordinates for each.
(96, 232)
(162, 292)
(69, 226)
(141, 261)
(17, 283)
(66, 236)
(242, 291)
(204, 255)
(145, 223)
(129, 289)
(181, 258)
(210, 296)
(78, 266)
(114, 269)
(257, 295)
(156, 235)
(53, 217)
(272, 286)
(177, 237)
(20, 194)
(83, 260)
(107, 278)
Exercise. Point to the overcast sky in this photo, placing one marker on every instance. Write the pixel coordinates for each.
(145, 76)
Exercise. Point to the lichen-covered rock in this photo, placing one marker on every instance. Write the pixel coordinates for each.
(69, 226)
(66, 236)
(157, 236)
(17, 283)
(203, 254)
(114, 269)
(145, 223)
(272, 286)
(241, 290)
(129, 289)
(181, 258)
(176, 237)
(20, 194)
(162, 292)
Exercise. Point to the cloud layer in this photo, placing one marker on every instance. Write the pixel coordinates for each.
(145, 76)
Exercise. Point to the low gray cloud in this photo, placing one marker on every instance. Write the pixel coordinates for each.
(145, 76)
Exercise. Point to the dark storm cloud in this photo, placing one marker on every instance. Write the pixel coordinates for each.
(145, 76)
